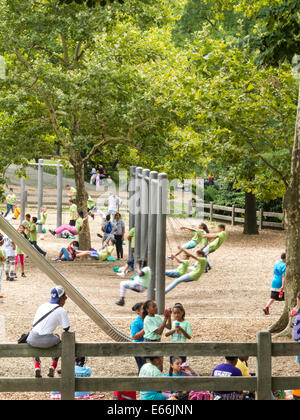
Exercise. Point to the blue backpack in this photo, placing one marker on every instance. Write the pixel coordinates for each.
(108, 228)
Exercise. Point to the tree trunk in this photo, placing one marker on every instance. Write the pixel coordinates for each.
(82, 197)
(250, 227)
(291, 206)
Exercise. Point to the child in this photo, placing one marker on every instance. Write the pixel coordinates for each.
(81, 371)
(33, 236)
(197, 238)
(20, 254)
(10, 257)
(182, 269)
(218, 239)
(26, 223)
(73, 212)
(278, 283)
(178, 369)
(227, 369)
(42, 221)
(154, 368)
(181, 330)
(75, 230)
(68, 254)
(128, 267)
(154, 325)
(137, 331)
(139, 284)
(102, 255)
(10, 202)
(197, 272)
(2, 260)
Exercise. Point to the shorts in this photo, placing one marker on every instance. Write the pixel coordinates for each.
(95, 255)
(190, 245)
(298, 360)
(275, 296)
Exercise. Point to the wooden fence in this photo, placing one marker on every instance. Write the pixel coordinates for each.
(235, 216)
(263, 383)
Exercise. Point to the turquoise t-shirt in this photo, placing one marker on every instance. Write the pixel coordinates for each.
(279, 272)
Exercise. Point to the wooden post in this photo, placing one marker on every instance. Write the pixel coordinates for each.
(211, 211)
(68, 366)
(264, 366)
(233, 215)
(261, 219)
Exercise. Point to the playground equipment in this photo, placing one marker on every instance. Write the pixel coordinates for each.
(59, 279)
(148, 209)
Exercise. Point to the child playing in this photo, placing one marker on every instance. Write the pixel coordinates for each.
(10, 257)
(2, 261)
(20, 254)
(68, 254)
(181, 330)
(278, 283)
(137, 331)
(154, 325)
(33, 236)
(10, 202)
(182, 269)
(102, 255)
(42, 221)
(127, 268)
(26, 223)
(197, 272)
(153, 368)
(197, 238)
(74, 230)
(217, 240)
(139, 284)
(81, 371)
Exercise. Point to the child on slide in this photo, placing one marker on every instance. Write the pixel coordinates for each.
(102, 255)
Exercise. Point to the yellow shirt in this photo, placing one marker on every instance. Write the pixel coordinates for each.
(243, 368)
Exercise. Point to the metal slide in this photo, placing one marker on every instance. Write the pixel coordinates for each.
(59, 279)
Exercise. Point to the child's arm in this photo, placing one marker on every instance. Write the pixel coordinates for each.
(166, 324)
(177, 259)
(169, 333)
(210, 235)
(187, 228)
(139, 335)
(190, 254)
(184, 333)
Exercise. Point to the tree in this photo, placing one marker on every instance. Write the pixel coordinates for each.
(92, 75)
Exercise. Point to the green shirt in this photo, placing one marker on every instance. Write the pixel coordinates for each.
(199, 269)
(103, 254)
(198, 236)
(1, 255)
(73, 212)
(222, 236)
(132, 235)
(73, 193)
(149, 370)
(183, 268)
(78, 225)
(27, 226)
(145, 279)
(90, 203)
(33, 233)
(11, 199)
(43, 219)
(151, 324)
(179, 337)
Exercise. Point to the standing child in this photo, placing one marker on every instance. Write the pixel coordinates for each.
(2, 261)
(10, 257)
(181, 330)
(20, 254)
(33, 236)
(138, 332)
(278, 283)
(10, 202)
(154, 325)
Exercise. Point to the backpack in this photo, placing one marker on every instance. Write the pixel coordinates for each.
(108, 228)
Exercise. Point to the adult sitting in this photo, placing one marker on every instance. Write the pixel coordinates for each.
(49, 316)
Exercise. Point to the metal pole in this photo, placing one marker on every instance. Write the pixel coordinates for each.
(138, 219)
(23, 199)
(40, 190)
(161, 243)
(144, 213)
(152, 225)
(59, 194)
(131, 203)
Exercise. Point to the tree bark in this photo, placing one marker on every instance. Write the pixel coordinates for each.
(291, 206)
(250, 227)
(82, 197)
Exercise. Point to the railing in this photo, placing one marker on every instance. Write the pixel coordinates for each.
(212, 212)
(263, 383)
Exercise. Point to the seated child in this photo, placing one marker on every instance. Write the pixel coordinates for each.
(181, 269)
(68, 254)
(102, 255)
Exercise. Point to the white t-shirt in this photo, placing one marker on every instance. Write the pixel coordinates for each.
(113, 203)
(58, 318)
(8, 249)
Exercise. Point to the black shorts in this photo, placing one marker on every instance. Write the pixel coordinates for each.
(275, 296)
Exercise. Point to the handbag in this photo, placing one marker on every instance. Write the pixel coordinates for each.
(24, 337)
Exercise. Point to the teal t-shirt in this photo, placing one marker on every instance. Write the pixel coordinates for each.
(151, 324)
(179, 337)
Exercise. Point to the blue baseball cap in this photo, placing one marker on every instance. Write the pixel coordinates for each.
(56, 294)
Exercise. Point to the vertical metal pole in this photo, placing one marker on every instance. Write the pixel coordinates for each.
(161, 242)
(138, 218)
(152, 226)
(40, 190)
(59, 194)
(131, 203)
(144, 213)
(23, 199)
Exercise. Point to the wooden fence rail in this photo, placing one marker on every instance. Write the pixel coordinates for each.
(264, 383)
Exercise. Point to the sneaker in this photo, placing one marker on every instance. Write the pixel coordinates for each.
(23, 275)
(266, 311)
(52, 232)
(99, 236)
(121, 274)
(51, 373)
(170, 257)
(120, 302)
